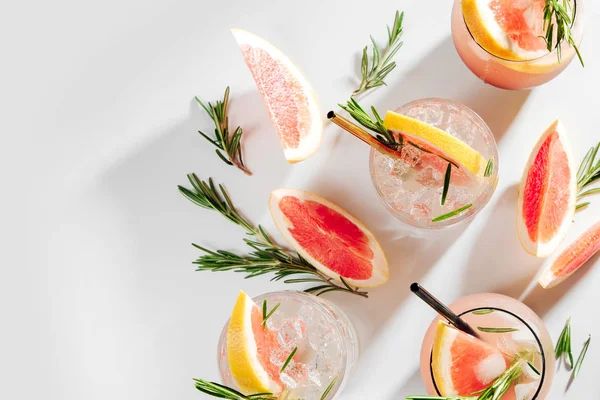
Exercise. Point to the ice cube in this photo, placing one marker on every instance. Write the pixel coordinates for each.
(430, 177)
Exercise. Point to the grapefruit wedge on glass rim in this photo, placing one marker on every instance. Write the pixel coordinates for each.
(329, 238)
(291, 103)
(572, 258)
(462, 364)
(547, 193)
(249, 349)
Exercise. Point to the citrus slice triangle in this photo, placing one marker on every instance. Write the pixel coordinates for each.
(329, 238)
(436, 141)
(508, 29)
(291, 103)
(462, 364)
(249, 348)
(547, 193)
(572, 258)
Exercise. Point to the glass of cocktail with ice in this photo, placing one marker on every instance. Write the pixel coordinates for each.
(412, 185)
(306, 347)
(454, 363)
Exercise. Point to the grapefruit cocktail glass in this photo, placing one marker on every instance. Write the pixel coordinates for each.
(519, 331)
(411, 186)
(326, 340)
(509, 74)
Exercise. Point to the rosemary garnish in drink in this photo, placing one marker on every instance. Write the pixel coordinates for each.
(452, 213)
(267, 315)
(288, 360)
(533, 368)
(496, 330)
(381, 64)
(225, 141)
(563, 345)
(558, 18)
(489, 168)
(483, 311)
(446, 183)
(265, 256)
(587, 174)
(581, 356)
(224, 392)
(328, 389)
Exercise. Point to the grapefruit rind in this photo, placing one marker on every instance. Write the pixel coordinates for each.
(444, 143)
(242, 352)
(380, 269)
(571, 258)
(537, 248)
(311, 141)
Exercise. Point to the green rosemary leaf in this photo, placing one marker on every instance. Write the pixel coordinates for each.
(328, 389)
(266, 315)
(289, 359)
(483, 311)
(581, 205)
(489, 168)
(588, 192)
(563, 345)
(533, 368)
(585, 164)
(559, 17)
(496, 330)
(225, 392)
(446, 183)
(581, 356)
(452, 213)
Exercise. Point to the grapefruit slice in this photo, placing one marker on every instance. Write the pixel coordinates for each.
(249, 349)
(436, 141)
(572, 258)
(462, 364)
(291, 103)
(509, 29)
(333, 241)
(547, 193)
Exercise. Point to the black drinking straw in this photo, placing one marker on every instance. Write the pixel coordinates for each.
(442, 309)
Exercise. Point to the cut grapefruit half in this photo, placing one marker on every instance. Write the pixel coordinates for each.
(462, 364)
(438, 142)
(329, 238)
(509, 29)
(572, 258)
(291, 103)
(547, 193)
(249, 349)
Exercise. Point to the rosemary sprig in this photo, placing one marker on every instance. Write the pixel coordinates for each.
(558, 18)
(452, 213)
(563, 345)
(587, 174)
(265, 256)
(288, 360)
(496, 330)
(533, 368)
(446, 183)
(328, 389)
(489, 168)
(581, 356)
(483, 311)
(381, 64)
(267, 315)
(374, 124)
(225, 141)
(224, 392)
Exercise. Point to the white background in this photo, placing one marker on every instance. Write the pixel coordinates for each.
(99, 298)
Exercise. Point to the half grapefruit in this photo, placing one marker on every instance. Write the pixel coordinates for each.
(249, 349)
(572, 258)
(291, 103)
(547, 193)
(333, 241)
(462, 364)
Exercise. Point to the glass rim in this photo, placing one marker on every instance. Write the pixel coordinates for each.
(486, 195)
(550, 53)
(315, 301)
(537, 339)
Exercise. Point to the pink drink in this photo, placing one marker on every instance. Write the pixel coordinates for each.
(531, 338)
(508, 74)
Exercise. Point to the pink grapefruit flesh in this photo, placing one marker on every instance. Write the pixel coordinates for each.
(547, 193)
(332, 240)
(572, 258)
(522, 21)
(463, 364)
(291, 103)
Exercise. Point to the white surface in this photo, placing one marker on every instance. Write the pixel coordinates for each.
(99, 298)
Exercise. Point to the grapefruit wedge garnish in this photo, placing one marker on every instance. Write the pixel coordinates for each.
(547, 193)
(290, 101)
(508, 29)
(333, 241)
(572, 258)
(249, 349)
(462, 364)
(438, 142)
